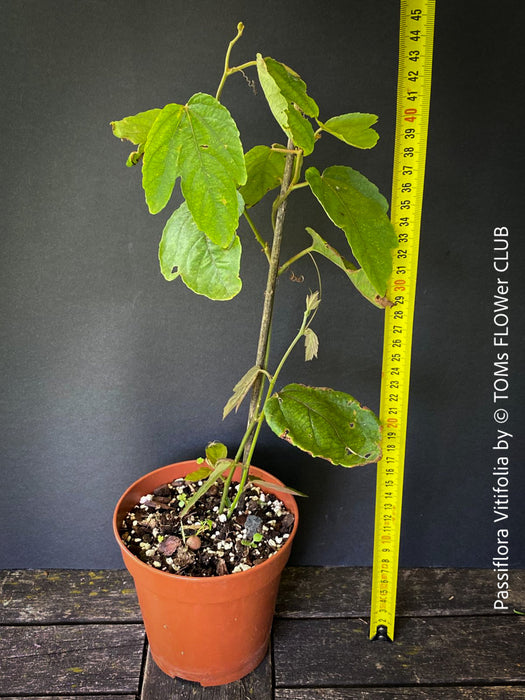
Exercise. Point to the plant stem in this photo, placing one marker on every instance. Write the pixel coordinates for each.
(251, 426)
(258, 420)
(227, 70)
(280, 149)
(269, 295)
(264, 245)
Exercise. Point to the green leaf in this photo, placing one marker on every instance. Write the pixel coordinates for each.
(363, 285)
(136, 130)
(311, 344)
(221, 466)
(199, 475)
(240, 390)
(325, 423)
(284, 89)
(356, 275)
(354, 129)
(300, 130)
(135, 156)
(355, 205)
(204, 267)
(265, 169)
(216, 451)
(198, 142)
(290, 85)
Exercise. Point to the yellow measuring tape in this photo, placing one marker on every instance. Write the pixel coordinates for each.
(416, 35)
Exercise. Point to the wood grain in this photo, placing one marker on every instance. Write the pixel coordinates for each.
(55, 659)
(345, 592)
(256, 686)
(500, 692)
(78, 634)
(54, 596)
(427, 651)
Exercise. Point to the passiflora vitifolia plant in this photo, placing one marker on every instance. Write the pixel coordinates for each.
(199, 142)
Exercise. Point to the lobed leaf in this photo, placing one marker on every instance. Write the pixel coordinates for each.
(356, 275)
(198, 142)
(284, 89)
(264, 168)
(355, 205)
(325, 423)
(354, 129)
(206, 268)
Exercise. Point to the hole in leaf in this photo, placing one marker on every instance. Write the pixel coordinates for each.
(284, 435)
(352, 425)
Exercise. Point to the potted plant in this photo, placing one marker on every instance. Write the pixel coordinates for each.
(208, 602)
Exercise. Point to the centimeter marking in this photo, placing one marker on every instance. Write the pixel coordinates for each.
(416, 35)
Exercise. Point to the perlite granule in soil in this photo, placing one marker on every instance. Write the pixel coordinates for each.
(205, 543)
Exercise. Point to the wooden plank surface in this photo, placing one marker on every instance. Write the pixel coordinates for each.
(54, 596)
(256, 686)
(500, 692)
(345, 592)
(70, 659)
(96, 596)
(58, 638)
(427, 651)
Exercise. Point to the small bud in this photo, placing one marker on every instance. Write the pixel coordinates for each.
(312, 301)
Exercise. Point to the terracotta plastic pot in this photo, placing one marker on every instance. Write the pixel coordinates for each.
(212, 630)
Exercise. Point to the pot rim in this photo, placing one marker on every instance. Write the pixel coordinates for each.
(288, 500)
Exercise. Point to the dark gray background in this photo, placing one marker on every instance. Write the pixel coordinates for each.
(109, 371)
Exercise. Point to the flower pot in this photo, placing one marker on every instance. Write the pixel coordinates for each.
(213, 630)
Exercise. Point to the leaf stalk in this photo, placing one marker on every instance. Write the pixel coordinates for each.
(260, 240)
(295, 258)
(227, 70)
